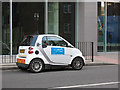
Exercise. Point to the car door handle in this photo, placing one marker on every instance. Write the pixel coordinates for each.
(68, 55)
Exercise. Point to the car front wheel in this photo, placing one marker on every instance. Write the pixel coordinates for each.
(77, 64)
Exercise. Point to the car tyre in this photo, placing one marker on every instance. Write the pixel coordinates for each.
(36, 66)
(77, 64)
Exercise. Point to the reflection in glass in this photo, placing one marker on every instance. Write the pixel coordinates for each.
(113, 26)
(101, 26)
(53, 18)
(5, 28)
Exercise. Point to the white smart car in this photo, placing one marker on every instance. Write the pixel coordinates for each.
(38, 52)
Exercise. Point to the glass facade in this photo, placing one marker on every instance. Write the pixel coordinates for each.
(61, 20)
(101, 26)
(108, 26)
(67, 21)
(53, 18)
(113, 26)
(25, 21)
(28, 18)
(6, 28)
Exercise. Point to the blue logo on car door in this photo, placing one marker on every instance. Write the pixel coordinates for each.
(57, 51)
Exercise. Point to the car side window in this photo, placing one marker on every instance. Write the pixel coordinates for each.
(44, 41)
(55, 41)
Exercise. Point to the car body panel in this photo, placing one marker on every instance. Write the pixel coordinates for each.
(53, 55)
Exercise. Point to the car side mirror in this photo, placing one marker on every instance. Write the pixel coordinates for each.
(44, 46)
(38, 44)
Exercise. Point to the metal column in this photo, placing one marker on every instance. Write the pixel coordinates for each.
(105, 26)
(10, 27)
(46, 18)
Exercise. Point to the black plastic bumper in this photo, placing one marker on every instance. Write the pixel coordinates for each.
(22, 65)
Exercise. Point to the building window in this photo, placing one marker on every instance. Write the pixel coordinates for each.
(67, 28)
(26, 23)
(113, 22)
(5, 28)
(67, 8)
(50, 7)
(108, 27)
(53, 18)
(101, 26)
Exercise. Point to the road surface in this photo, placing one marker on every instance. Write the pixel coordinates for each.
(103, 76)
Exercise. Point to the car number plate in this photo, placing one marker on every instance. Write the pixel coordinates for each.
(21, 61)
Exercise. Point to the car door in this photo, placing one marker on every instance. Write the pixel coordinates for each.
(56, 49)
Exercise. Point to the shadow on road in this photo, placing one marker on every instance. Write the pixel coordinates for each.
(53, 69)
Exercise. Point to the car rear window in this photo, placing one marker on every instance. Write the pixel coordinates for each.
(29, 41)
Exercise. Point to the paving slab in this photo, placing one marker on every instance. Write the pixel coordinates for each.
(88, 63)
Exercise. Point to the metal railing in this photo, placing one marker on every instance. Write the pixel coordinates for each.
(85, 47)
(7, 59)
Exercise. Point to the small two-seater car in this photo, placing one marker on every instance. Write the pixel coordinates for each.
(38, 52)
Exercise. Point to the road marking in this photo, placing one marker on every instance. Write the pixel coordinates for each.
(86, 85)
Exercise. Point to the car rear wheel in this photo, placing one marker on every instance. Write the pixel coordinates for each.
(36, 66)
(77, 64)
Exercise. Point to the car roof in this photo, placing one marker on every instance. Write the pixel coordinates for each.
(43, 35)
(47, 35)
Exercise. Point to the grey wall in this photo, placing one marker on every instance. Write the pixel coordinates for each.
(0, 27)
(0, 43)
(87, 23)
(23, 0)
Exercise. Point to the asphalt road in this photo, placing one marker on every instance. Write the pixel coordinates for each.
(103, 76)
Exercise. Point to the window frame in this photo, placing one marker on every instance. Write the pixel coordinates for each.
(55, 45)
(67, 8)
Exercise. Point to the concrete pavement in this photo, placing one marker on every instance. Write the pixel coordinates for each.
(102, 58)
(98, 60)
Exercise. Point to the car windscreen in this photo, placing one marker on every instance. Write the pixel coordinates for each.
(29, 41)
